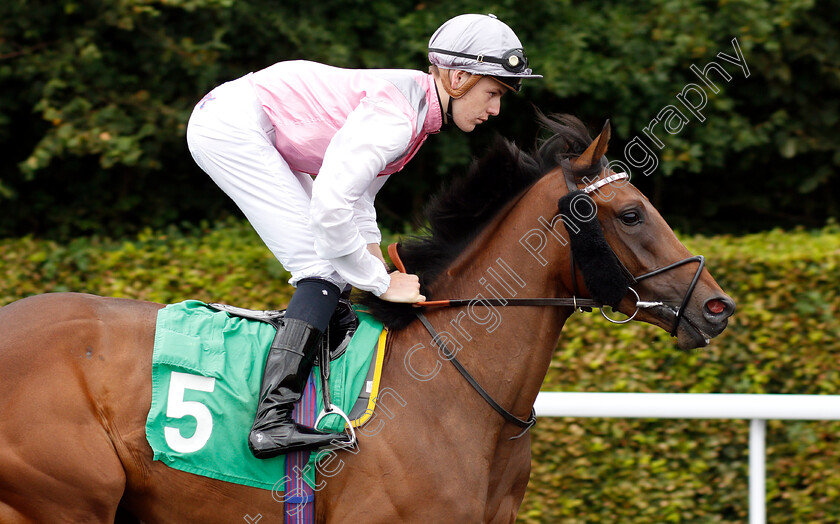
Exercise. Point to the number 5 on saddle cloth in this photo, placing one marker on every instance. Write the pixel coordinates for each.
(206, 372)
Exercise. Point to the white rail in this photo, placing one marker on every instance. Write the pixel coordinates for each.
(756, 408)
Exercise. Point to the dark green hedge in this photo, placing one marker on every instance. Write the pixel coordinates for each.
(226, 263)
(784, 338)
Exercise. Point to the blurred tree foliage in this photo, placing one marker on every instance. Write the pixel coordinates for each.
(95, 96)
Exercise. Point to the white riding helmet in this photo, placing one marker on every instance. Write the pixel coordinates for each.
(482, 45)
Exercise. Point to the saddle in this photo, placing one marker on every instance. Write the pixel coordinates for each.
(336, 339)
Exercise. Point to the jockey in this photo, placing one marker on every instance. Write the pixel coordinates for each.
(263, 137)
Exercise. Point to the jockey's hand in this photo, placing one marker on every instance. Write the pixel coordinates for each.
(404, 288)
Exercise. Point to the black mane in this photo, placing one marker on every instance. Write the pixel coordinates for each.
(461, 211)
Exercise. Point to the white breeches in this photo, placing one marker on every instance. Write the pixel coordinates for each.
(232, 140)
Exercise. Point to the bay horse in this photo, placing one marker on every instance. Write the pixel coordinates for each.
(75, 369)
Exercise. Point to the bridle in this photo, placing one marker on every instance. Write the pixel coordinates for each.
(579, 304)
(571, 183)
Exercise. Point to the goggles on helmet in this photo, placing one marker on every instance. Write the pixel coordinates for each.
(513, 60)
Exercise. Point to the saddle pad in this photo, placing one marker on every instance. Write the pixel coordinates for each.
(206, 372)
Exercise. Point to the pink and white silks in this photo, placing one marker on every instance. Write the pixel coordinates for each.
(262, 137)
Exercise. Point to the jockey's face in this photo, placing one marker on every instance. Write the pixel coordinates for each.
(478, 104)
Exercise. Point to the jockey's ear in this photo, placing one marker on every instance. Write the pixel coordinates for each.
(457, 82)
(458, 78)
(596, 150)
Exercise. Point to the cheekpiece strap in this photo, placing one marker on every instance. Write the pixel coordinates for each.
(571, 183)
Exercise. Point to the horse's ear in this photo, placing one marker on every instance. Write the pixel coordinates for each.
(596, 150)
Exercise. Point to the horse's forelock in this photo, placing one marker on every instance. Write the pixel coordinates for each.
(569, 139)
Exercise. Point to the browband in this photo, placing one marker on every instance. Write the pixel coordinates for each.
(604, 181)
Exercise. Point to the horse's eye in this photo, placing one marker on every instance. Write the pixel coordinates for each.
(631, 218)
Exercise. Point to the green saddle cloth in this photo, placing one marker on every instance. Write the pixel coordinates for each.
(206, 373)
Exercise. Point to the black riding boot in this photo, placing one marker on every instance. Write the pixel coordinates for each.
(287, 369)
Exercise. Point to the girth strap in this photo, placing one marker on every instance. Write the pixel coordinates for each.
(508, 416)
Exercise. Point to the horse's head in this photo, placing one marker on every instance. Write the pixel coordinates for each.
(627, 251)
(629, 257)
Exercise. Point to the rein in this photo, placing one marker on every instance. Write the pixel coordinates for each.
(507, 415)
(580, 304)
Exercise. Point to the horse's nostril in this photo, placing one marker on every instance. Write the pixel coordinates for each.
(716, 306)
(717, 310)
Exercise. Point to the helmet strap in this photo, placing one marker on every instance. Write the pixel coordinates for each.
(445, 114)
(462, 90)
(453, 93)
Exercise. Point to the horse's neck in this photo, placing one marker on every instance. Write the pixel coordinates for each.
(510, 348)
